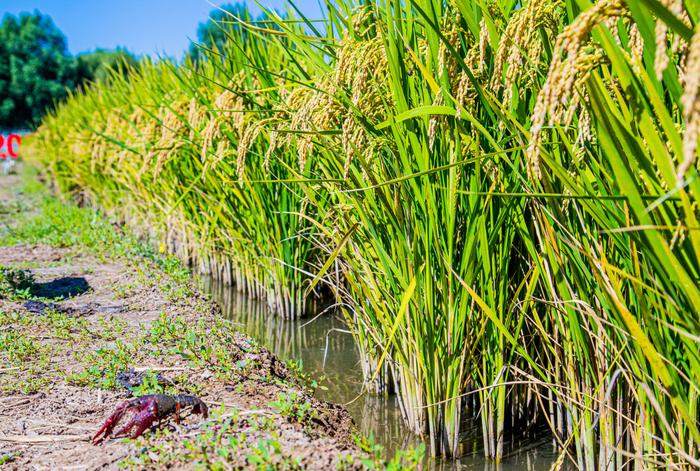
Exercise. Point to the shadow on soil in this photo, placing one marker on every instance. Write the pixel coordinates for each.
(61, 288)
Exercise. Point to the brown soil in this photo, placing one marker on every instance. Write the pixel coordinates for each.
(47, 417)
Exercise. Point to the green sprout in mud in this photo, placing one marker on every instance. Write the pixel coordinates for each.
(209, 345)
(64, 326)
(124, 290)
(229, 439)
(296, 368)
(267, 455)
(9, 457)
(103, 366)
(21, 347)
(18, 348)
(295, 407)
(169, 276)
(151, 385)
(219, 441)
(110, 328)
(28, 360)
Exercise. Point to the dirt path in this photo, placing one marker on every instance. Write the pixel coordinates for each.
(89, 325)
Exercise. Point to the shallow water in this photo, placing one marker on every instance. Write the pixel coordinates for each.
(327, 352)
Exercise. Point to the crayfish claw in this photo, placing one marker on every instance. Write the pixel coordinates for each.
(109, 424)
(142, 422)
(146, 414)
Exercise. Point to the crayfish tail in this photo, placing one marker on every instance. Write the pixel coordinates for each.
(201, 408)
(198, 406)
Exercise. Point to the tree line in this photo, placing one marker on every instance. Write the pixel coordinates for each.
(37, 70)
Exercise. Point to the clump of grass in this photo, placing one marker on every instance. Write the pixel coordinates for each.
(216, 444)
(27, 367)
(33, 347)
(6, 458)
(15, 282)
(231, 438)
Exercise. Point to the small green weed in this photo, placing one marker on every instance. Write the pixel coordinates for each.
(217, 442)
(267, 455)
(210, 345)
(151, 385)
(296, 367)
(18, 348)
(9, 457)
(292, 405)
(105, 364)
(64, 326)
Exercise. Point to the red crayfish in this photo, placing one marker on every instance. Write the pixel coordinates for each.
(148, 409)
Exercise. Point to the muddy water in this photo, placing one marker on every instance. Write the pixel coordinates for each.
(327, 352)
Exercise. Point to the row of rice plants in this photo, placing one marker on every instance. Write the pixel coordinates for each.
(172, 152)
(503, 199)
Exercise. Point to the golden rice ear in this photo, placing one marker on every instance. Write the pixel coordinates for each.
(691, 107)
(210, 132)
(521, 44)
(249, 135)
(636, 46)
(570, 65)
(222, 151)
(661, 59)
(228, 109)
(272, 146)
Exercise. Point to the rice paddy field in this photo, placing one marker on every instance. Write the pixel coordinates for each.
(500, 197)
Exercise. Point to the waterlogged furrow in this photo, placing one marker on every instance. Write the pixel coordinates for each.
(503, 201)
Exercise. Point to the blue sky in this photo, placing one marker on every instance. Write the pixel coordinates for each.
(142, 26)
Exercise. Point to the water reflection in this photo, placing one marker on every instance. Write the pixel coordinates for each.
(537, 455)
(327, 352)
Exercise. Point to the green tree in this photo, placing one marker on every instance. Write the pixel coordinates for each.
(212, 33)
(96, 66)
(35, 68)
